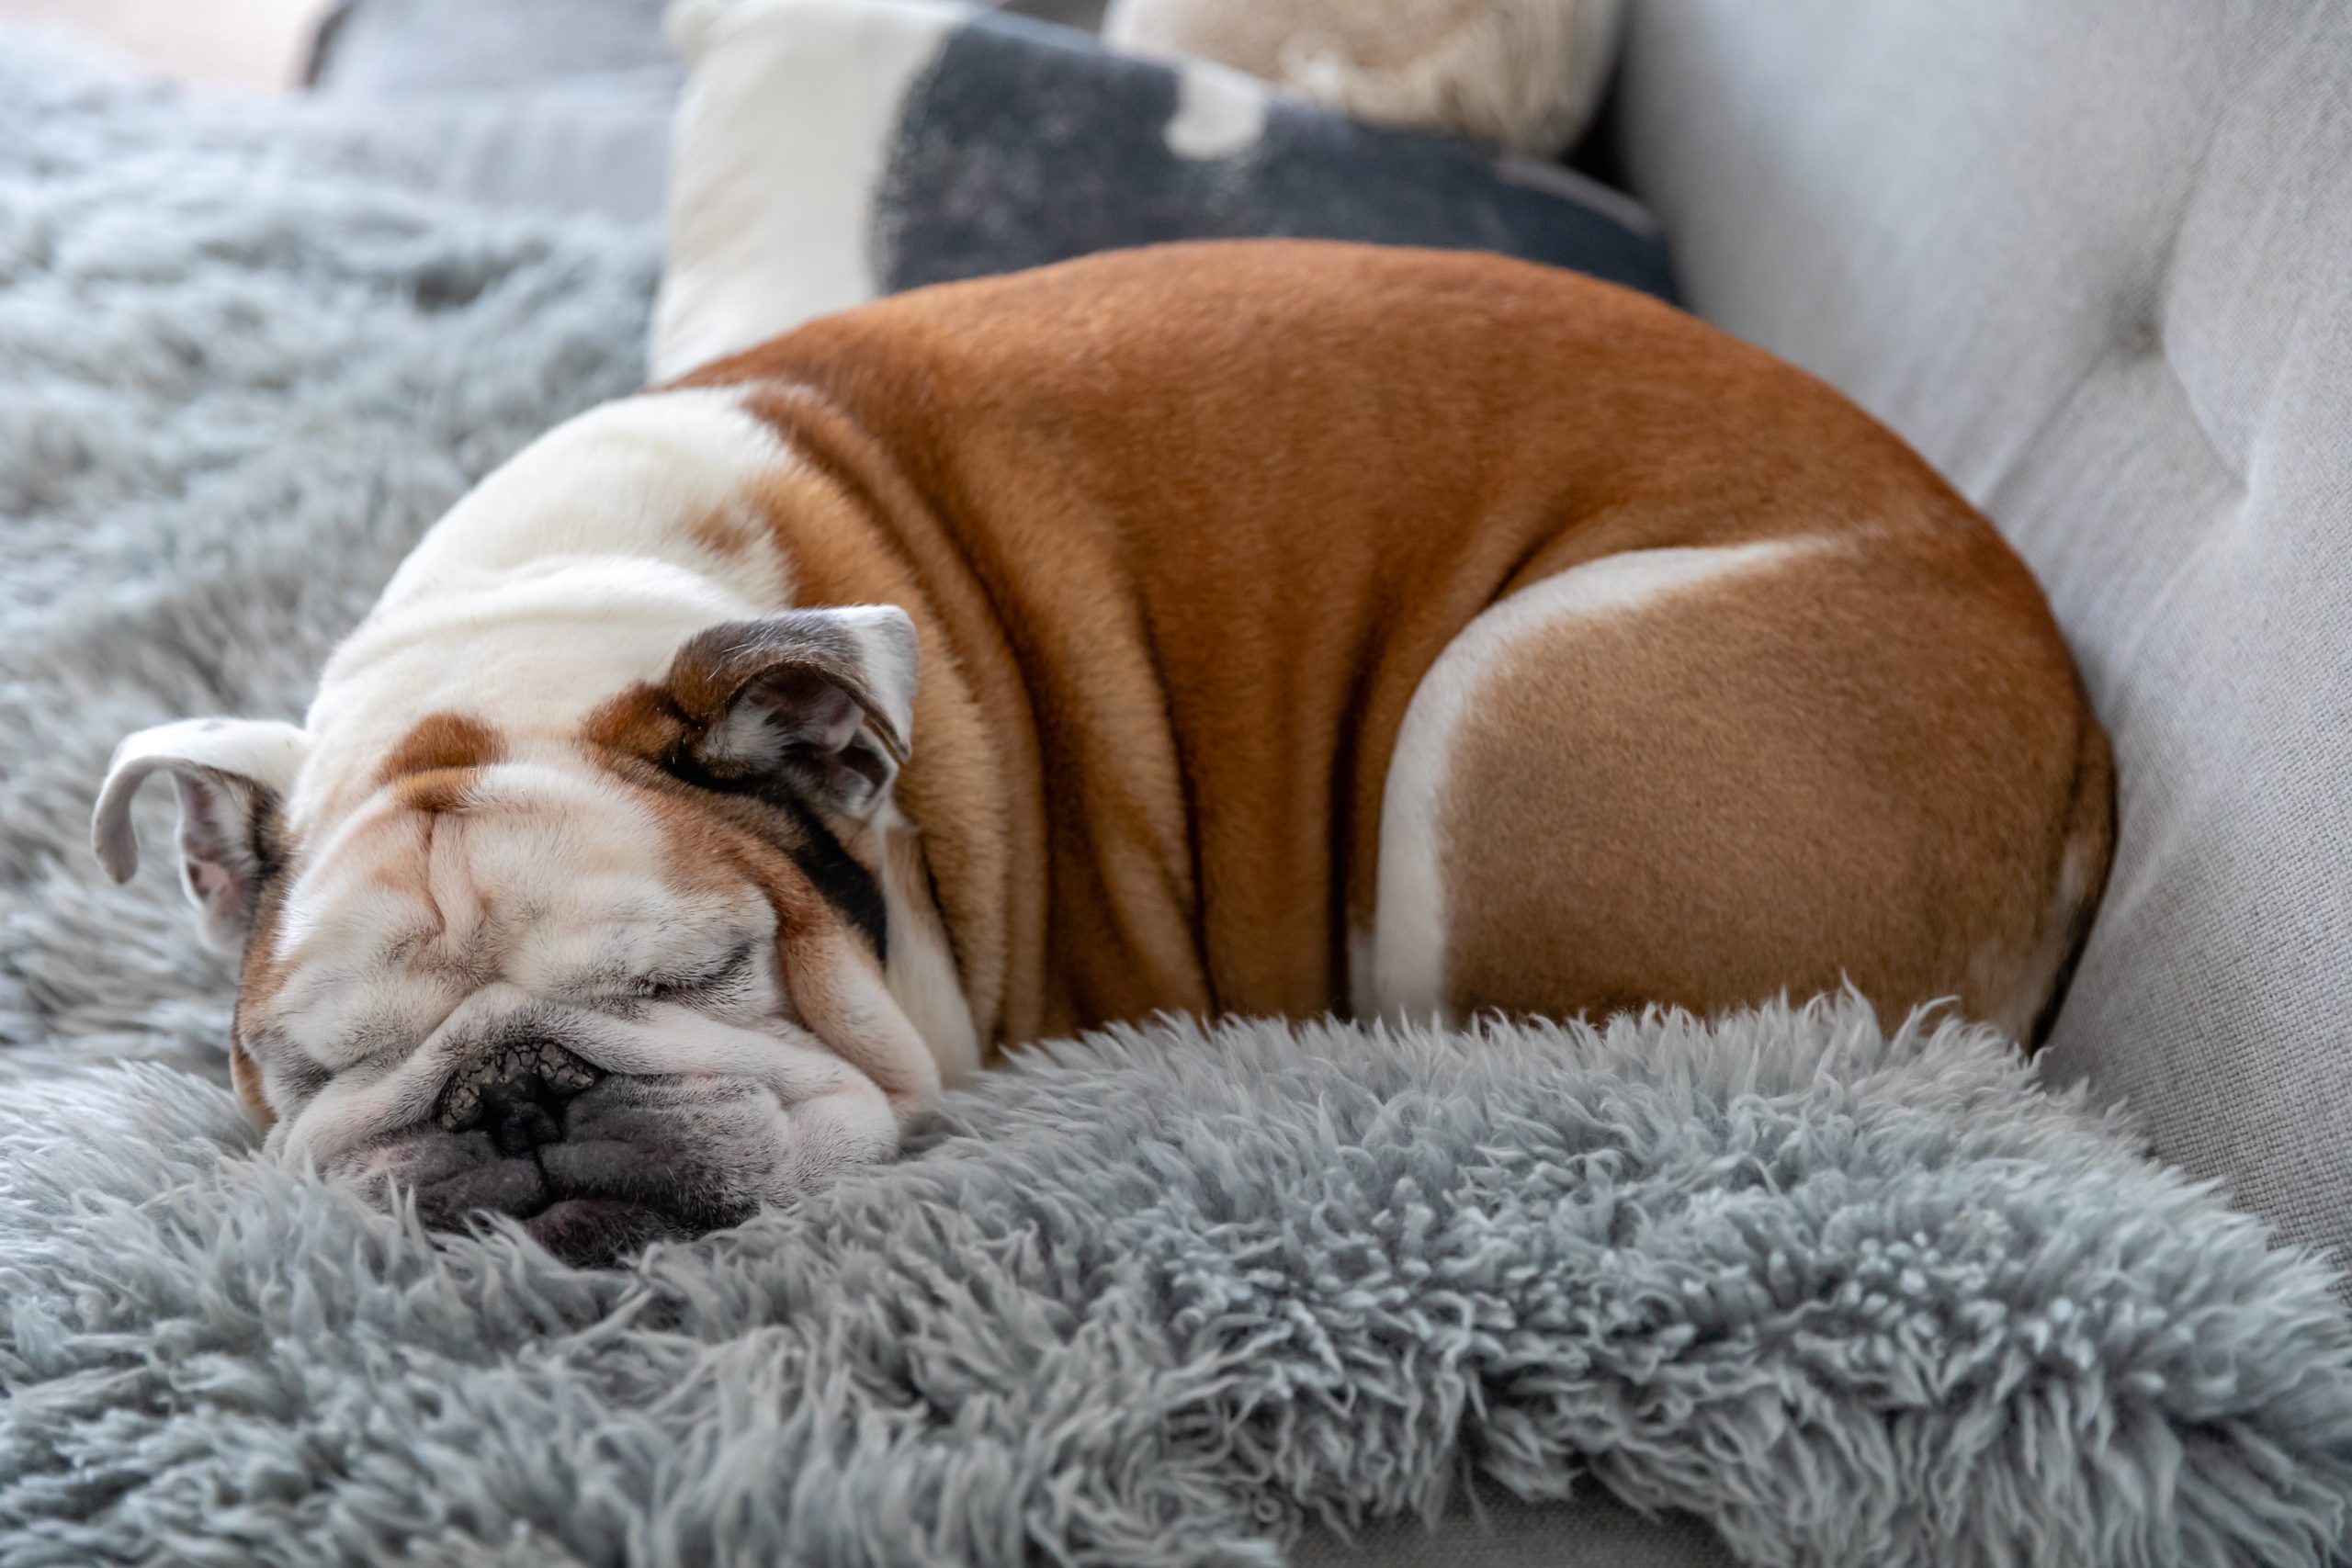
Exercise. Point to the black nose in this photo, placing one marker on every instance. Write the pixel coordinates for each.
(518, 1091)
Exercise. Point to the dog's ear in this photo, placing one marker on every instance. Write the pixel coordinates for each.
(232, 775)
(819, 701)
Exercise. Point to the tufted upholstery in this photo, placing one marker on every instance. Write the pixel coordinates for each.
(2095, 260)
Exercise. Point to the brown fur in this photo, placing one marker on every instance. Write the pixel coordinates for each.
(840, 557)
(724, 535)
(1699, 827)
(441, 741)
(1183, 529)
(258, 980)
(434, 767)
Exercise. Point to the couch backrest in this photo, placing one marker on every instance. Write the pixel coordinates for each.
(2094, 258)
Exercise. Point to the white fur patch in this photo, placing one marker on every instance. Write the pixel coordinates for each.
(1409, 926)
(570, 574)
(555, 871)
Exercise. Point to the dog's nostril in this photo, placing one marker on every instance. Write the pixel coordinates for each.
(516, 1090)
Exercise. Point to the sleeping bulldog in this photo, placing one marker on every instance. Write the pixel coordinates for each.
(1243, 627)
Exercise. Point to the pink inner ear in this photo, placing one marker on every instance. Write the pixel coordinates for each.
(218, 863)
(210, 880)
(202, 804)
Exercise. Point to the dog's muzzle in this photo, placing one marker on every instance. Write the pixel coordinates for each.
(594, 1164)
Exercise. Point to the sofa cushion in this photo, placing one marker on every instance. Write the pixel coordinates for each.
(829, 151)
(384, 48)
(2091, 259)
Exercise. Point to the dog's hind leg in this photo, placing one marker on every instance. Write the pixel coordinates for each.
(1706, 777)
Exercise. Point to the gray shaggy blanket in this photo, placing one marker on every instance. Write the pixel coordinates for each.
(1151, 1298)
(1157, 1298)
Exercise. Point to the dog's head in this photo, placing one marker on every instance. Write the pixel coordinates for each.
(619, 972)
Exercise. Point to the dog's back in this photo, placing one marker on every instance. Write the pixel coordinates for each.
(1750, 699)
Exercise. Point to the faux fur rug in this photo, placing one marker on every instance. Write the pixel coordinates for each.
(1159, 1299)
(1156, 1299)
(241, 368)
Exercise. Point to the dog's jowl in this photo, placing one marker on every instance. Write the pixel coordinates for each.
(1257, 627)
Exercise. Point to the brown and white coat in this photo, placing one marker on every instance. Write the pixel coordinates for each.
(1267, 627)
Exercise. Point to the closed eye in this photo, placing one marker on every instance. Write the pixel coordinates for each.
(727, 973)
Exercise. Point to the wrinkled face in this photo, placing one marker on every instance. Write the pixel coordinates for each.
(579, 895)
(622, 979)
(535, 987)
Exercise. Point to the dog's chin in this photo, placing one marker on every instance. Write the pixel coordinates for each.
(592, 1233)
(631, 1179)
(638, 1160)
(594, 1224)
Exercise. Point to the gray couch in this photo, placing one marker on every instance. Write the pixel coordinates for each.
(2095, 260)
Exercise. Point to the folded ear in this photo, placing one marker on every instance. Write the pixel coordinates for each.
(818, 701)
(232, 775)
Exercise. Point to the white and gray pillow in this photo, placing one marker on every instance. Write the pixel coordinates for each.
(829, 151)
